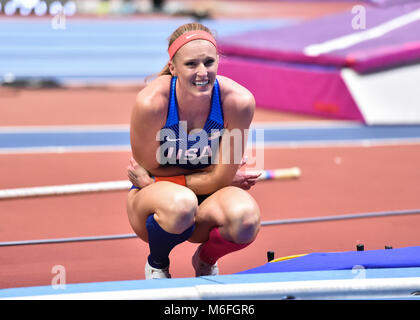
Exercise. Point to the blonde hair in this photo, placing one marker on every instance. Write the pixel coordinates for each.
(178, 32)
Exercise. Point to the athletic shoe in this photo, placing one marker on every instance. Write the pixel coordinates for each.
(201, 268)
(154, 273)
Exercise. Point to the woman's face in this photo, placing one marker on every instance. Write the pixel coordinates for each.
(195, 64)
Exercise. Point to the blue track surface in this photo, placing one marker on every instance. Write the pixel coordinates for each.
(110, 286)
(99, 49)
(37, 138)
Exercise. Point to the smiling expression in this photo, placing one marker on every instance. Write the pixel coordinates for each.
(195, 64)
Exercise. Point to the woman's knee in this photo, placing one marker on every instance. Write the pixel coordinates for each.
(242, 220)
(178, 213)
(246, 227)
(174, 208)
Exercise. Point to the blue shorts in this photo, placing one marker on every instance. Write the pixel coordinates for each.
(200, 197)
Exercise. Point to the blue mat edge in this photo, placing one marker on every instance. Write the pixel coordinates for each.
(208, 280)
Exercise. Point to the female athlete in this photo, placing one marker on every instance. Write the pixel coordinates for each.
(188, 128)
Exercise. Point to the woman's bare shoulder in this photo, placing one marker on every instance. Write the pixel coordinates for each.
(155, 95)
(156, 87)
(235, 96)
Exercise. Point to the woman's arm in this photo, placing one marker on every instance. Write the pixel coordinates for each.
(141, 178)
(148, 117)
(238, 113)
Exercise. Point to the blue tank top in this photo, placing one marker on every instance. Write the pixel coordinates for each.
(196, 150)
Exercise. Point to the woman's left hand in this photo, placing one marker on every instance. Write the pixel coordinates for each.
(138, 175)
(244, 180)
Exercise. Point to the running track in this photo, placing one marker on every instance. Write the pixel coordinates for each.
(367, 171)
(338, 178)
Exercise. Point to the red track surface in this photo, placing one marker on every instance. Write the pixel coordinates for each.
(367, 179)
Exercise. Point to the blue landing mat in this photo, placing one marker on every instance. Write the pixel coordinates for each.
(389, 258)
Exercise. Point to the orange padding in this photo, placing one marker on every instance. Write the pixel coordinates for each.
(175, 179)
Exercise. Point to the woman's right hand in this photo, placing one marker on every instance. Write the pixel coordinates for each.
(137, 175)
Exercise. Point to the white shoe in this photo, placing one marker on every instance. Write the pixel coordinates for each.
(154, 273)
(201, 268)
